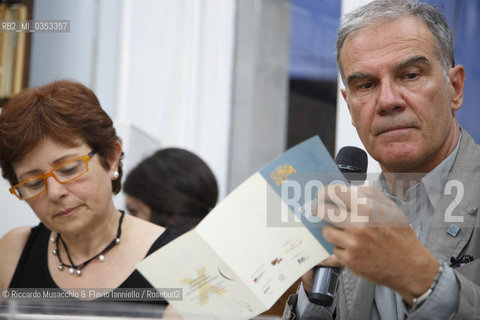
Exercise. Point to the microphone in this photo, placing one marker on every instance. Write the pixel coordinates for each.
(352, 162)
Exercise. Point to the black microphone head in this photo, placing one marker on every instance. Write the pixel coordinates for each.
(353, 163)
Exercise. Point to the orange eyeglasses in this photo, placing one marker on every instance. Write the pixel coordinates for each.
(63, 173)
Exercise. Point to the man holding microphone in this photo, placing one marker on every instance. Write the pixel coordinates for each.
(417, 256)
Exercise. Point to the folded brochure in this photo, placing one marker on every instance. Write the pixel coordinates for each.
(254, 244)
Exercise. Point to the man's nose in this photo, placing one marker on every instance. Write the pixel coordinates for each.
(389, 98)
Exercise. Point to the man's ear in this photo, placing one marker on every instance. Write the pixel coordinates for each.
(457, 81)
(344, 94)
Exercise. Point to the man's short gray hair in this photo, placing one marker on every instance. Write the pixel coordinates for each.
(385, 10)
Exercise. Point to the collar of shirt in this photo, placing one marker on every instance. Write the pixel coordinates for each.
(435, 180)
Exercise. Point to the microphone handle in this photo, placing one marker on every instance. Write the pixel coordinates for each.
(325, 285)
(325, 281)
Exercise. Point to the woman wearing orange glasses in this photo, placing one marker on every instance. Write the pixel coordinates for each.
(60, 152)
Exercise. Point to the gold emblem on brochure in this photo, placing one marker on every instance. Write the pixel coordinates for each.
(282, 173)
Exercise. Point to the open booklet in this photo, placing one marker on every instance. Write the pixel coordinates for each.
(254, 244)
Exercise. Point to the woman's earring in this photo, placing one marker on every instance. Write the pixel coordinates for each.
(115, 175)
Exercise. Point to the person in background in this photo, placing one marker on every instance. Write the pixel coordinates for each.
(402, 87)
(62, 156)
(172, 188)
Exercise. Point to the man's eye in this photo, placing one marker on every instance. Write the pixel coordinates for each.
(411, 76)
(366, 85)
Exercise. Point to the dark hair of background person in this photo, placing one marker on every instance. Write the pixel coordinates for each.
(64, 111)
(176, 185)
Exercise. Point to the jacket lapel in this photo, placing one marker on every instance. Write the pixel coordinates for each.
(448, 235)
(455, 215)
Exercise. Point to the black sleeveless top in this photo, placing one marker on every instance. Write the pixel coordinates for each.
(32, 269)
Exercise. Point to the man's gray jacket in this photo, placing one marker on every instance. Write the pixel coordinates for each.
(356, 294)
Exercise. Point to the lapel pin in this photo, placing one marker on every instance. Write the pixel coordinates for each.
(472, 210)
(453, 230)
(460, 262)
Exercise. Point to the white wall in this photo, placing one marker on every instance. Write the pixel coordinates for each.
(13, 212)
(88, 53)
(174, 74)
(260, 87)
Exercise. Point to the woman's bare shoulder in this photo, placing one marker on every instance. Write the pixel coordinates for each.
(146, 227)
(138, 237)
(11, 246)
